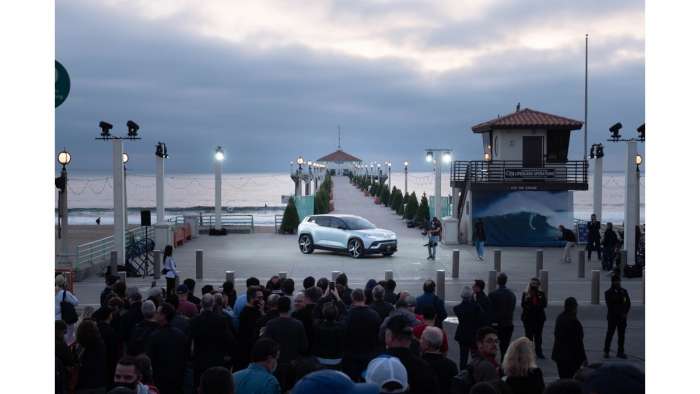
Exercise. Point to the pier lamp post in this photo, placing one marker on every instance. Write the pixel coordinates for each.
(297, 182)
(405, 176)
(125, 159)
(445, 156)
(596, 156)
(218, 164)
(161, 155)
(118, 187)
(632, 161)
(61, 183)
(388, 170)
(310, 164)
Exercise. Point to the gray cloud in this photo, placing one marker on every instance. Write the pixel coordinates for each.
(268, 106)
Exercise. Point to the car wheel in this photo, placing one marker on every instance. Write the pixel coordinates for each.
(355, 248)
(306, 244)
(388, 254)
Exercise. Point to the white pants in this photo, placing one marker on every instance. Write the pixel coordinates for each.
(566, 256)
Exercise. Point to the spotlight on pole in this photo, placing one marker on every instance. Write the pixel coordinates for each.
(106, 127)
(591, 155)
(429, 157)
(599, 150)
(133, 128)
(640, 130)
(162, 150)
(219, 154)
(615, 131)
(446, 157)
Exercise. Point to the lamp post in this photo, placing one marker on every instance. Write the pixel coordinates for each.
(631, 187)
(161, 155)
(118, 186)
(444, 156)
(218, 165)
(61, 183)
(405, 176)
(596, 156)
(297, 184)
(638, 161)
(388, 170)
(125, 159)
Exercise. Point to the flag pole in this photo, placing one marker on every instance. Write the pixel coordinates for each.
(585, 108)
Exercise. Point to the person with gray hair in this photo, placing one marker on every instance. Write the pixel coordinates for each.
(361, 341)
(469, 314)
(139, 338)
(379, 305)
(272, 306)
(445, 369)
(61, 295)
(211, 338)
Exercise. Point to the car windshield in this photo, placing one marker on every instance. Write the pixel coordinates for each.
(358, 224)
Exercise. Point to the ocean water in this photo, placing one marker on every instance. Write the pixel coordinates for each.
(90, 195)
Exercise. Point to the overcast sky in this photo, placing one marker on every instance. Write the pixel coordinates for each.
(271, 80)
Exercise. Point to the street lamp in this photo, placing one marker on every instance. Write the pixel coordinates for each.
(161, 155)
(219, 154)
(61, 184)
(218, 165)
(446, 157)
(405, 176)
(119, 182)
(638, 160)
(388, 170)
(429, 157)
(63, 158)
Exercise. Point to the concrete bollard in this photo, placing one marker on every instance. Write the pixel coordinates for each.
(283, 275)
(595, 287)
(455, 263)
(231, 276)
(113, 269)
(122, 276)
(199, 264)
(643, 276)
(440, 283)
(491, 285)
(157, 256)
(544, 282)
(497, 260)
(388, 274)
(539, 263)
(581, 264)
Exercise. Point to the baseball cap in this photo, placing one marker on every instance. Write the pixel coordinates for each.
(332, 382)
(182, 289)
(388, 373)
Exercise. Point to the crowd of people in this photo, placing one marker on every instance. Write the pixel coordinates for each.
(326, 337)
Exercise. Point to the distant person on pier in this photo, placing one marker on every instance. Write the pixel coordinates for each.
(479, 238)
(502, 309)
(618, 301)
(568, 351)
(593, 243)
(434, 232)
(98, 220)
(533, 303)
(170, 269)
(610, 242)
(569, 237)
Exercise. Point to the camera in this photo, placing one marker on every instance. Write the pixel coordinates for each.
(331, 286)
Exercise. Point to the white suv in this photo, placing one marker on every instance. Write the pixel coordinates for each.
(348, 233)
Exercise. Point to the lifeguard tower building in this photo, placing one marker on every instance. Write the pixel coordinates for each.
(523, 187)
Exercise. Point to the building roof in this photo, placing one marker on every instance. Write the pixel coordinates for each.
(339, 155)
(529, 119)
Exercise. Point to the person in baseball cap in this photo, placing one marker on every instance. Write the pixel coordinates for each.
(388, 373)
(332, 382)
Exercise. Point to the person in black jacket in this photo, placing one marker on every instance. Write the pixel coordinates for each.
(141, 334)
(361, 340)
(113, 348)
(211, 338)
(290, 335)
(610, 242)
(593, 242)
(168, 351)
(618, 301)
(469, 314)
(445, 369)
(329, 337)
(379, 305)
(569, 238)
(568, 351)
(533, 303)
(248, 331)
(398, 337)
(502, 309)
(90, 354)
(479, 238)
(483, 300)
(306, 314)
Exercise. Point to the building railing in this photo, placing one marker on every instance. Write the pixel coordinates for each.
(97, 251)
(229, 220)
(513, 171)
(278, 223)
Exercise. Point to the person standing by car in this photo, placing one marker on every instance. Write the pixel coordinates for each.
(479, 238)
(593, 243)
(434, 234)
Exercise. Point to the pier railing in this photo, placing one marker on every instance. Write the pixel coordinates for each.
(229, 220)
(97, 251)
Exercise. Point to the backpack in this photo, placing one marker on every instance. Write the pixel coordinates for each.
(463, 382)
(68, 313)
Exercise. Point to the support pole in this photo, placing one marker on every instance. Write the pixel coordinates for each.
(63, 213)
(438, 185)
(440, 283)
(491, 286)
(118, 190)
(539, 263)
(598, 188)
(113, 256)
(199, 264)
(631, 209)
(455, 263)
(217, 193)
(497, 260)
(160, 189)
(156, 264)
(581, 264)
(595, 287)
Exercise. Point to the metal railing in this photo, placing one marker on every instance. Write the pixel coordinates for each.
(97, 251)
(229, 220)
(502, 171)
(278, 223)
(179, 219)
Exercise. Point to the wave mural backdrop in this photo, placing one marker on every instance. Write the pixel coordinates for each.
(528, 218)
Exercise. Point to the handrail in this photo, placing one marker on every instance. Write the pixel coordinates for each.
(95, 251)
(499, 171)
(229, 220)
